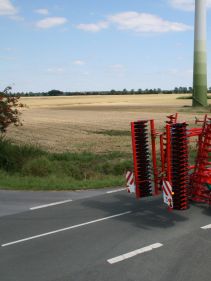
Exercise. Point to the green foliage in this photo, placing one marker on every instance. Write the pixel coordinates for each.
(189, 97)
(55, 93)
(38, 167)
(29, 165)
(176, 90)
(9, 113)
(13, 157)
(184, 98)
(18, 182)
(113, 133)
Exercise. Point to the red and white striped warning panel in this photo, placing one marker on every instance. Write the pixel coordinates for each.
(167, 193)
(130, 182)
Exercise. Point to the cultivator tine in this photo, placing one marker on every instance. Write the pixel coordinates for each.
(141, 157)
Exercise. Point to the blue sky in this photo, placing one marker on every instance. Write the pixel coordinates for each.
(89, 45)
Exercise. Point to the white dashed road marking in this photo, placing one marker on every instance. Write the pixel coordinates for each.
(64, 229)
(117, 190)
(206, 226)
(134, 253)
(50, 204)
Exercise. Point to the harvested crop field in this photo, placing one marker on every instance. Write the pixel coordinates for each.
(92, 123)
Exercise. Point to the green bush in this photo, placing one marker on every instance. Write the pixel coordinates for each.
(38, 167)
(87, 170)
(9, 108)
(13, 157)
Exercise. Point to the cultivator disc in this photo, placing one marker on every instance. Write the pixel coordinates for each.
(141, 157)
(179, 162)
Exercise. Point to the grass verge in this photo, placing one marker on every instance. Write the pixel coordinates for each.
(113, 133)
(26, 167)
(188, 97)
(29, 167)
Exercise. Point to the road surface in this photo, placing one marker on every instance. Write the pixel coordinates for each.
(97, 236)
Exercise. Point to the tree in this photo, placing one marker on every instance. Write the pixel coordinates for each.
(113, 92)
(124, 92)
(9, 110)
(55, 93)
(190, 89)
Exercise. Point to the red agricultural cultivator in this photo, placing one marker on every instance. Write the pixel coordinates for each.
(170, 171)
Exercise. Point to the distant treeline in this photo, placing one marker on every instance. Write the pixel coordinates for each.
(176, 90)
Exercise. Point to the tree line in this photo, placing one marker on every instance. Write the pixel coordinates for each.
(176, 90)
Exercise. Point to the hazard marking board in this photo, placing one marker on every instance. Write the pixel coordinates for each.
(130, 182)
(167, 193)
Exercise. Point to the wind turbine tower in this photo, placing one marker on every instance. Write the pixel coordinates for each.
(200, 55)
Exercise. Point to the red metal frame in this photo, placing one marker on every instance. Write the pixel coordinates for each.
(162, 154)
(154, 157)
(172, 119)
(168, 153)
(199, 174)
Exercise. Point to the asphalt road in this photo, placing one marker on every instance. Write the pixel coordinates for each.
(102, 236)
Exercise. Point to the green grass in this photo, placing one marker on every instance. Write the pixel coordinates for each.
(188, 97)
(113, 133)
(29, 167)
(184, 98)
(18, 182)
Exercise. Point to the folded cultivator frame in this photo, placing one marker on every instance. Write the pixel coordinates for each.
(170, 171)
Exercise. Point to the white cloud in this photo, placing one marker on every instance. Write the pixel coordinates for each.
(51, 22)
(16, 18)
(186, 5)
(138, 22)
(79, 62)
(42, 11)
(7, 8)
(55, 70)
(93, 27)
(117, 67)
(145, 23)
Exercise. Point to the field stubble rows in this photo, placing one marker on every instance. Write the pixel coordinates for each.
(90, 123)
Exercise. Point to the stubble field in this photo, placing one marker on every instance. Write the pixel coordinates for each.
(69, 143)
(95, 124)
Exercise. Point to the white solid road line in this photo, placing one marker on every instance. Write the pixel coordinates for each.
(64, 229)
(206, 226)
(117, 190)
(134, 253)
(50, 204)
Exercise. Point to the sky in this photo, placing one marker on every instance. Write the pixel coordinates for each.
(96, 45)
